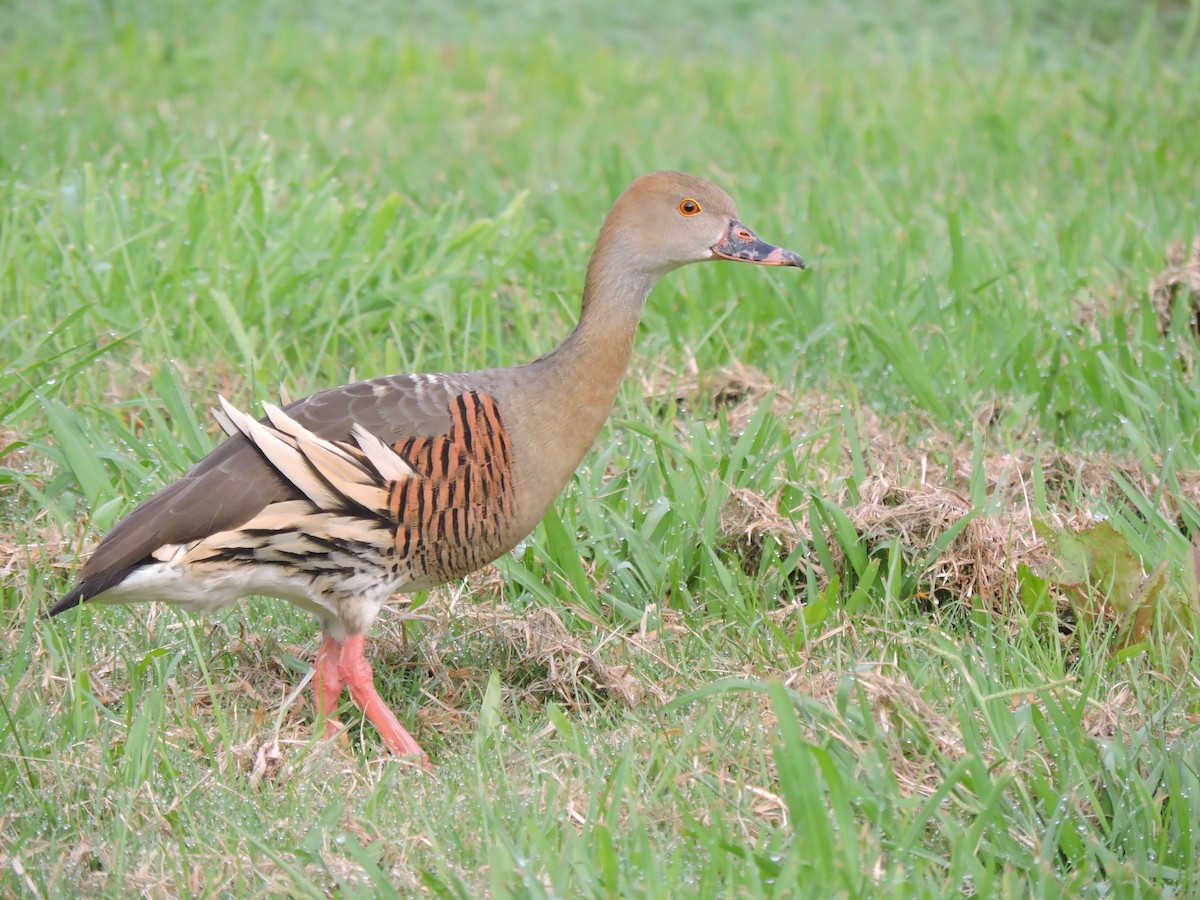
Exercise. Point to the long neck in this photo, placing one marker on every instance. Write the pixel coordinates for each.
(591, 363)
(578, 381)
(595, 356)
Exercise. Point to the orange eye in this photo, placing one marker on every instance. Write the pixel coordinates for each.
(688, 206)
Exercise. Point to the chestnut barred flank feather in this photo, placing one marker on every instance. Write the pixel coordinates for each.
(429, 509)
(453, 519)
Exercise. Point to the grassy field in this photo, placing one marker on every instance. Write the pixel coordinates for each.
(879, 582)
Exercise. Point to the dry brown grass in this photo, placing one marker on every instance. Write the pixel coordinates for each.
(1178, 283)
(899, 712)
(916, 488)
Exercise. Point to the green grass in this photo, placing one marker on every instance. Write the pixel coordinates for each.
(824, 697)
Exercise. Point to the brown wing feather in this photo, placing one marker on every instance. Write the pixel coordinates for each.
(234, 483)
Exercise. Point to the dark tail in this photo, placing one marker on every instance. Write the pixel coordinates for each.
(84, 591)
(67, 601)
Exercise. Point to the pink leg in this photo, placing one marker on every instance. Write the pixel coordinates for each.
(327, 685)
(356, 672)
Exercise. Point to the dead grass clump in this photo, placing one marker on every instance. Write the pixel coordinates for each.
(17, 456)
(268, 763)
(910, 725)
(37, 549)
(737, 388)
(1178, 283)
(535, 654)
(1069, 474)
(913, 726)
(749, 518)
(980, 560)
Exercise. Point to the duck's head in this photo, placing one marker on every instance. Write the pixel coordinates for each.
(669, 219)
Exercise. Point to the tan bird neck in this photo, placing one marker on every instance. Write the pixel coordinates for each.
(566, 396)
